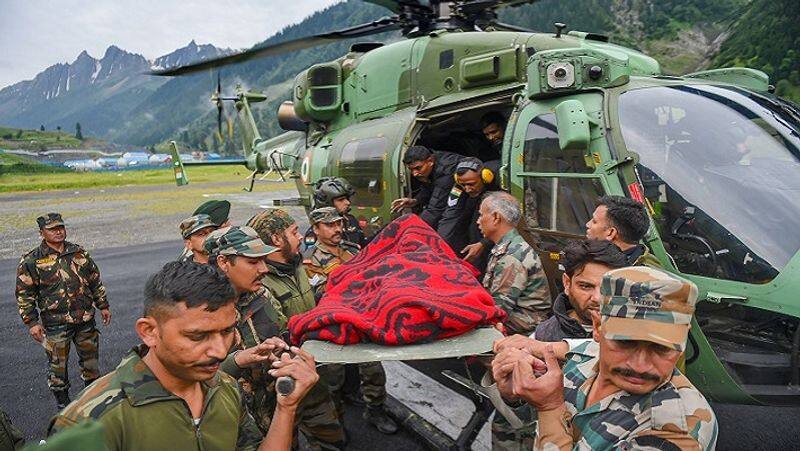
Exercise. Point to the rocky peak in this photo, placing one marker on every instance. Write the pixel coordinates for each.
(191, 53)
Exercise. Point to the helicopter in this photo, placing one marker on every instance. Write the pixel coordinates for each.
(713, 155)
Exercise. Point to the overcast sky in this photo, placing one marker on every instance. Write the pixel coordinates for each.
(35, 34)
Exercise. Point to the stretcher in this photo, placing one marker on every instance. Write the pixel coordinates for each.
(456, 349)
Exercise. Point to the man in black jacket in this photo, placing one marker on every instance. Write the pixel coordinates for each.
(458, 224)
(584, 263)
(434, 171)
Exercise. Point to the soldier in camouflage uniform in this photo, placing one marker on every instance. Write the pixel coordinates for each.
(515, 279)
(194, 231)
(168, 393)
(337, 192)
(58, 288)
(330, 252)
(621, 390)
(238, 253)
(218, 211)
(514, 275)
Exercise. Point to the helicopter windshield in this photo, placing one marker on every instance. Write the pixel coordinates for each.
(721, 169)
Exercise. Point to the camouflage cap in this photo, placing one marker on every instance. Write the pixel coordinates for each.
(269, 221)
(50, 220)
(327, 215)
(194, 223)
(641, 303)
(242, 241)
(217, 209)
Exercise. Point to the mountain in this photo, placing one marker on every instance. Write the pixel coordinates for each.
(99, 93)
(121, 105)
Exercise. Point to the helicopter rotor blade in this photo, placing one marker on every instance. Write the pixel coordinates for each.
(378, 26)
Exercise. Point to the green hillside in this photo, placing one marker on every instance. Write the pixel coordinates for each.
(15, 138)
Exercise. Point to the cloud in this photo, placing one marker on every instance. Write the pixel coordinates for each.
(40, 33)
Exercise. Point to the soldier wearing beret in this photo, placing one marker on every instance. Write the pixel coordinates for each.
(217, 212)
(621, 389)
(58, 287)
(194, 231)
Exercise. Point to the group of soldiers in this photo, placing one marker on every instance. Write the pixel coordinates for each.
(620, 326)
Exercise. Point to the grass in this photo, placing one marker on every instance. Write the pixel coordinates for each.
(14, 138)
(20, 182)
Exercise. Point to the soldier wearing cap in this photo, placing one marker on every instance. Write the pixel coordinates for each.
(58, 287)
(239, 253)
(621, 390)
(194, 231)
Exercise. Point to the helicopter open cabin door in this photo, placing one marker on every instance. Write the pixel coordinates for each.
(367, 154)
(557, 174)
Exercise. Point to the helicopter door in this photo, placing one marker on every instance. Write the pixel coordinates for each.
(367, 154)
(559, 188)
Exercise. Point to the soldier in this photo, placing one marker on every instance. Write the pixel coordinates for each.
(514, 275)
(218, 211)
(286, 278)
(168, 393)
(458, 225)
(434, 172)
(336, 192)
(330, 252)
(584, 263)
(624, 222)
(238, 252)
(622, 389)
(194, 230)
(58, 288)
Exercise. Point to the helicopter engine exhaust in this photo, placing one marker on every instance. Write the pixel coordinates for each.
(288, 119)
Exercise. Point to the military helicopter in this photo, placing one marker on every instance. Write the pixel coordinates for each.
(713, 154)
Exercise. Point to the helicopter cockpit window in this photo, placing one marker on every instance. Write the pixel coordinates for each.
(720, 167)
(361, 163)
(562, 204)
(542, 152)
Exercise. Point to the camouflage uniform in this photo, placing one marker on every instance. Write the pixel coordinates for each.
(516, 281)
(61, 291)
(638, 303)
(138, 413)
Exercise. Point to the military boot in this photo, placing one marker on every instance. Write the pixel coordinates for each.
(62, 398)
(378, 417)
(89, 382)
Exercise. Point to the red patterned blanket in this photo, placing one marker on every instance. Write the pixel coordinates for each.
(407, 286)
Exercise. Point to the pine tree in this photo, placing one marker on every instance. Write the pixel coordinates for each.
(78, 133)
(41, 127)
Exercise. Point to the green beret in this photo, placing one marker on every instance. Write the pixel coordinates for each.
(217, 209)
